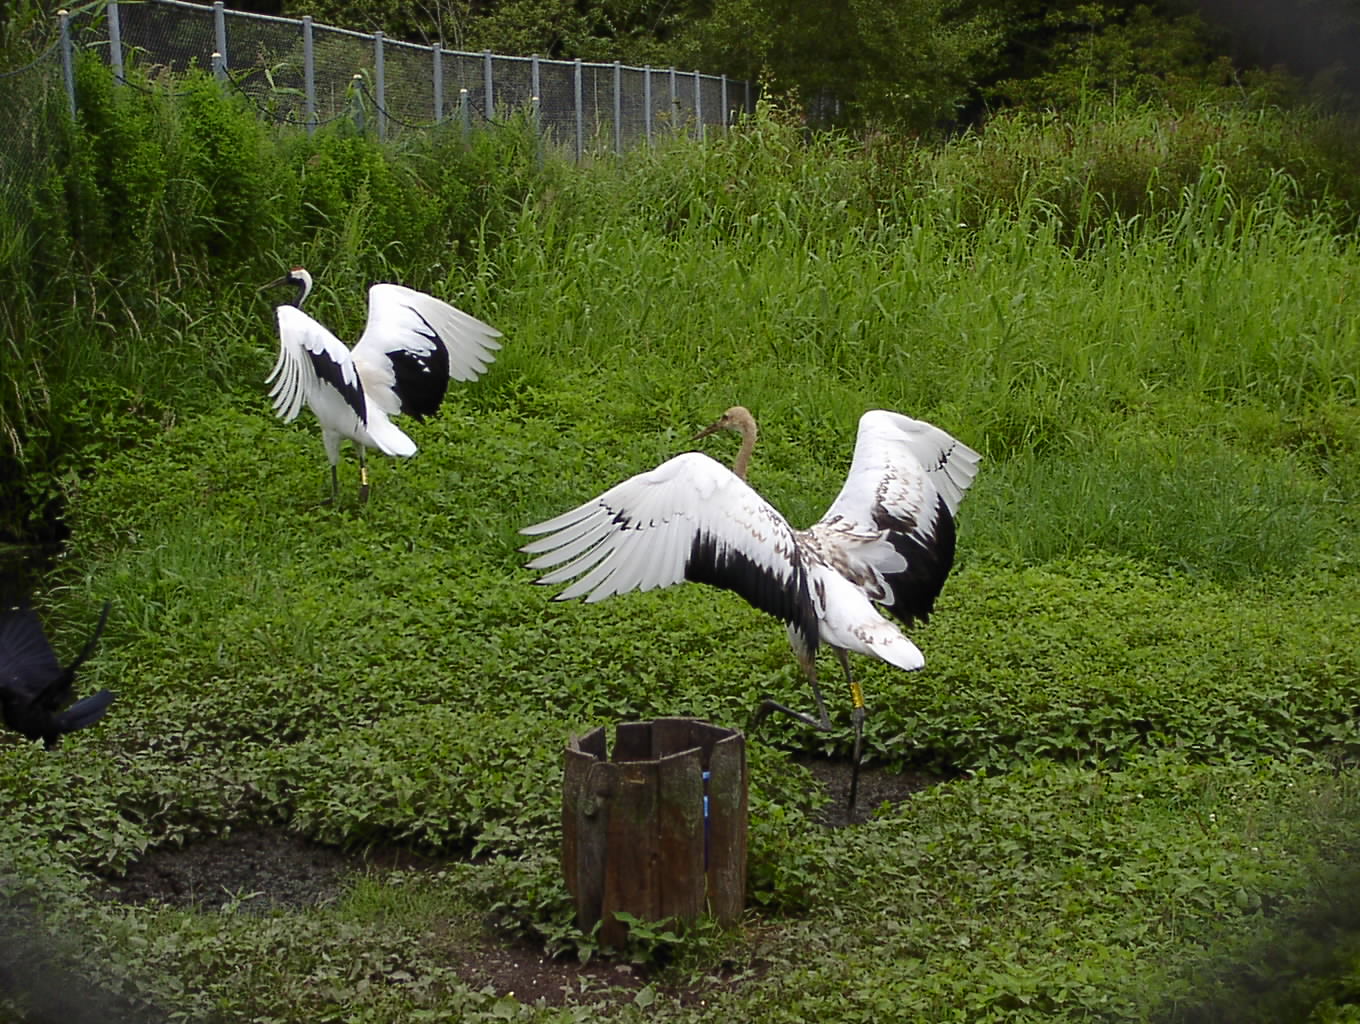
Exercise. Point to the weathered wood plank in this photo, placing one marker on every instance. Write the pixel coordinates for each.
(633, 741)
(589, 824)
(630, 880)
(672, 736)
(680, 822)
(727, 810)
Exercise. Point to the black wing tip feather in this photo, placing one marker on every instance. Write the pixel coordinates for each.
(86, 711)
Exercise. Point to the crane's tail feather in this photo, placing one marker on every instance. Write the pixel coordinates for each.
(85, 712)
(893, 647)
(88, 649)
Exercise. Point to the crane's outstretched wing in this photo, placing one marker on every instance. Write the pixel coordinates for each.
(692, 519)
(891, 528)
(414, 344)
(314, 366)
(27, 662)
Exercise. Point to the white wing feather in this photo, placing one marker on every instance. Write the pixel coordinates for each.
(401, 318)
(293, 376)
(640, 534)
(899, 465)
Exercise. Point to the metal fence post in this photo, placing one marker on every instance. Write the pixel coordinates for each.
(380, 84)
(490, 108)
(647, 103)
(115, 40)
(308, 75)
(220, 37)
(749, 109)
(67, 62)
(535, 112)
(580, 113)
(698, 105)
(356, 97)
(675, 103)
(618, 109)
(726, 113)
(464, 114)
(438, 49)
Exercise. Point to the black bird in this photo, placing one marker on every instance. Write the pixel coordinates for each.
(34, 687)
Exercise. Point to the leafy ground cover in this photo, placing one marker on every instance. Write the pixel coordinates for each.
(1141, 681)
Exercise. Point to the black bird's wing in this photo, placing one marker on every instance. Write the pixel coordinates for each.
(34, 686)
(28, 665)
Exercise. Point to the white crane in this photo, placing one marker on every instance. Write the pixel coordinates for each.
(34, 688)
(888, 538)
(412, 346)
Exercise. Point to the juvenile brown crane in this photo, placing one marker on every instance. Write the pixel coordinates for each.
(887, 539)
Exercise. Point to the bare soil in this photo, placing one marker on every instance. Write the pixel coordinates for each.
(264, 870)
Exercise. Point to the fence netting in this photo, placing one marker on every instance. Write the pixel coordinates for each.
(300, 73)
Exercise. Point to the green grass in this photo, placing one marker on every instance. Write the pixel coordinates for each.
(1143, 669)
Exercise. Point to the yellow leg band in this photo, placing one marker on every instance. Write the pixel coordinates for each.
(363, 475)
(856, 694)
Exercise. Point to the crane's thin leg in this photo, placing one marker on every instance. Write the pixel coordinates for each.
(822, 723)
(334, 499)
(363, 477)
(857, 719)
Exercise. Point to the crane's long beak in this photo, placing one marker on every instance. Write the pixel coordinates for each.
(280, 282)
(712, 428)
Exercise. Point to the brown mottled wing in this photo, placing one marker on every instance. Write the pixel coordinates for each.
(891, 528)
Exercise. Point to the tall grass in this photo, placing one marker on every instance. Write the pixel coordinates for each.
(1143, 664)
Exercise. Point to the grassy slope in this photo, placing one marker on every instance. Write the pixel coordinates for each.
(1156, 587)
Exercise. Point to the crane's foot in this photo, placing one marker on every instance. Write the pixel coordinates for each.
(766, 706)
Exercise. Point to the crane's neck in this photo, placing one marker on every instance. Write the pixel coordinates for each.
(747, 427)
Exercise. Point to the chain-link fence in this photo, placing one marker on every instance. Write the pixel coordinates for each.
(32, 98)
(306, 74)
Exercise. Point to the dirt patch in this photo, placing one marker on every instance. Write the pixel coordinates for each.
(261, 870)
(877, 786)
(253, 870)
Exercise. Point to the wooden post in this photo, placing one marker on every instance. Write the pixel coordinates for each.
(659, 830)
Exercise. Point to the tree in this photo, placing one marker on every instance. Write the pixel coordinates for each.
(910, 63)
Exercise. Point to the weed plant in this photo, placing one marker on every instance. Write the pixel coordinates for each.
(1142, 674)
